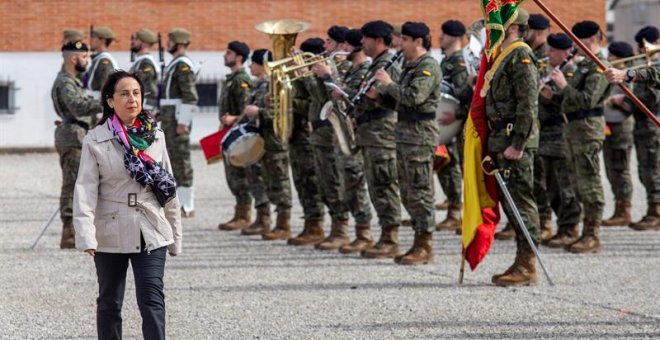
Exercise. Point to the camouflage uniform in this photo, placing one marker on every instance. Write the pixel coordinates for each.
(417, 94)
(649, 76)
(247, 182)
(146, 70)
(101, 66)
(582, 102)
(77, 111)
(512, 109)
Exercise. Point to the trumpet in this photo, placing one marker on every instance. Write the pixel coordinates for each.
(649, 51)
(637, 67)
(297, 66)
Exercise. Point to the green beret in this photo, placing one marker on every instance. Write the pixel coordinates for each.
(103, 32)
(180, 36)
(72, 34)
(147, 36)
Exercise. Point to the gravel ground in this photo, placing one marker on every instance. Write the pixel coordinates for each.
(225, 286)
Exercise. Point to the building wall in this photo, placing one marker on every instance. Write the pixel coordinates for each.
(632, 15)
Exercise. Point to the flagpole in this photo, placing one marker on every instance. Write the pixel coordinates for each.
(462, 271)
(595, 59)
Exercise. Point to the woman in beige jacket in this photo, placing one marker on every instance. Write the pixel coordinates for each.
(125, 209)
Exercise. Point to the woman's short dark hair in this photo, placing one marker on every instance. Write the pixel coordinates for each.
(109, 88)
(426, 42)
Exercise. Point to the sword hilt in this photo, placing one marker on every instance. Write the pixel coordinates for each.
(489, 161)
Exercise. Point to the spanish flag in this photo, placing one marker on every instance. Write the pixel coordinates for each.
(482, 214)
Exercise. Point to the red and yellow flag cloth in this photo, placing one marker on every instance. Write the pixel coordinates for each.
(482, 214)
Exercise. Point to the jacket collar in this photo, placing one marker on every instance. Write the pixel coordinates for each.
(104, 132)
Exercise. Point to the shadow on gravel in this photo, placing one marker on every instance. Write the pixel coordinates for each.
(329, 287)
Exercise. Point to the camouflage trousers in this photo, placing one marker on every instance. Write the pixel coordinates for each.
(382, 179)
(303, 169)
(331, 180)
(246, 183)
(553, 189)
(647, 141)
(355, 187)
(415, 171)
(275, 172)
(616, 154)
(451, 177)
(519, 178)
(585, 165)
(178, 148)
(69, 163)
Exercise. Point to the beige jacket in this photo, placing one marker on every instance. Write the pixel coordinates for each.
(101, 213)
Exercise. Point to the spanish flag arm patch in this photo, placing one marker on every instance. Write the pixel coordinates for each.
(185, 69)
(426, 73)
(525, 61)
(244, 85)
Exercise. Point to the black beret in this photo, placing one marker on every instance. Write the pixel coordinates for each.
(585, 29)
(338, 33)
(453, 28)
(377, 29)
(415, 29)
(620, 49)
(239, 48)
(560, 41)
(77, 46)
(648, 33)
(354, 38)
(258, 56)
(538, 22)
(313, 45)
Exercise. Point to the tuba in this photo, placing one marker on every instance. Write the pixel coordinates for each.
(282, 34)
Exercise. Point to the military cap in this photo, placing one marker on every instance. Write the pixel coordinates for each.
(103, 32)
(75, 46)
(312, 45)
(377, 29)
(147, 36)
(560, 41)
(354, 38)
(415, 29)
(648, 33)
(522, 18)
(338, 33)
(72, 34)
(239, 48)
(538, 22)
(585, 29)
(179, 36)
(620, 49)
(261, 55)
(453, 28)
(397, 30)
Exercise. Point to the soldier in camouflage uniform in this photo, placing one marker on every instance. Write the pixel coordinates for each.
(244, 182)
(618, 147)
(275, 162)
(72, 35)
(417, 93)
(582, 99)
(512, 113)
(646, 133)
(557, 183)
(177, 106)
(303, 167)
(455, 73)
(144, 66)
(77, 111)
(102, 62)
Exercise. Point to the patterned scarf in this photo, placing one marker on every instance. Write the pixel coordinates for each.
(142, 168)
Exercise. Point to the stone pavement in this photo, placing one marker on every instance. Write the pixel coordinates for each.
(225, 286)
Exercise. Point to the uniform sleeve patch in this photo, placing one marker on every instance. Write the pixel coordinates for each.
(526, 61)
(185, 69)
(426, 73)
(147, 69)
(105, 61)
(569, 74)
(244, 85)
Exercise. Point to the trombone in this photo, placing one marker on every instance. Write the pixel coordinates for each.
(637, 67)
(649, 51)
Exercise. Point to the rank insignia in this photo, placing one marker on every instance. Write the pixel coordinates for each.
(426, 73)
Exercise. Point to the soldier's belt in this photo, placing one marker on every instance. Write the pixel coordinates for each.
(582, 114)
(368, 116)
(502, 124)
(317, 124)
(414, 116)
(553, 121)
(76, 122)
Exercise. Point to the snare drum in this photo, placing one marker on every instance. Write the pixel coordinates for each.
(243, 145)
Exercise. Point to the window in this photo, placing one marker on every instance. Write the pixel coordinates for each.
(7, 100)
(208, 97)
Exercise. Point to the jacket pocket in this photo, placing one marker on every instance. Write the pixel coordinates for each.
(107, 230)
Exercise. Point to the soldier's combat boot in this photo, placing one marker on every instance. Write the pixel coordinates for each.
(651, 221)
(442, 206)
(387, 246)
(312, 234)
(589, 242)
(508, 233)
(621, 216)
(261, 224)
(566, 235)
(338, 236)
(546, 227)
(364, 239)
(453, 220)
(521, 273)
(421, 251)
(282, 230)
(241, 220)
(68, 240)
